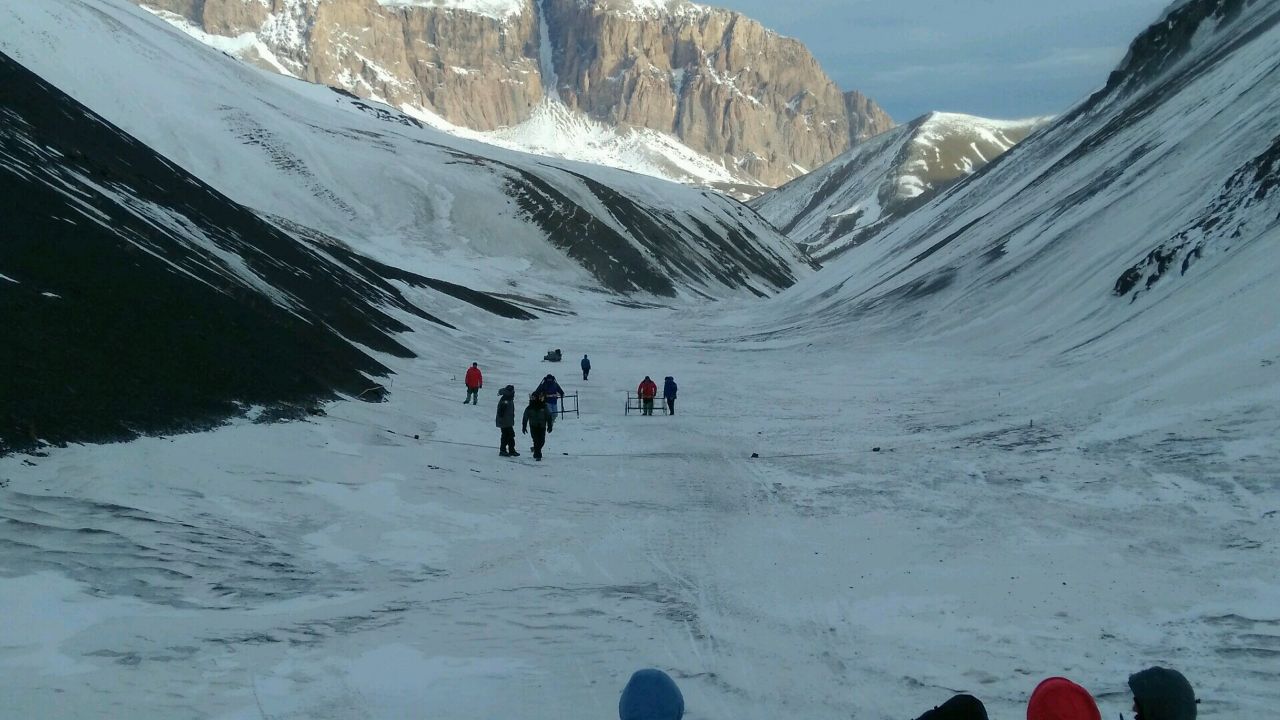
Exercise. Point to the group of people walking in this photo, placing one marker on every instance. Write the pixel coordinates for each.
(538, 420)
(539, 416)
(648, 391)
(1158, 694)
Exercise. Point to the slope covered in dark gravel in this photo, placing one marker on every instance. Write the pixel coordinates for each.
(136, 299)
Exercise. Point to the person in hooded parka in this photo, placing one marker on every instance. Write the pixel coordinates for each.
(1162, 694)
(669, 389)
(506, 422)
(959, 707)
(1060, 699)
(536, 423)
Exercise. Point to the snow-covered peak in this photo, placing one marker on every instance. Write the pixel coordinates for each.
(500, 9)
(949, 146)
(950, 120)
(847, 201)
(646, 9)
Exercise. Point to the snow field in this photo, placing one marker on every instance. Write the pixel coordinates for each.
(362, 573)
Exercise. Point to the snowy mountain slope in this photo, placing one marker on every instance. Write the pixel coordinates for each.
(856, 196)
(558, 132)
(411, 196)
(879, 489)
(138, 299)
(1136, 234)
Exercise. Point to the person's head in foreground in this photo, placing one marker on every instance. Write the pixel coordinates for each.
(651, 695)
(1060, 699)
(1162, 694)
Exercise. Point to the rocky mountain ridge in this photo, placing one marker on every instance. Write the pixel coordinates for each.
(866, 118)
(753, 101)
(883, 179)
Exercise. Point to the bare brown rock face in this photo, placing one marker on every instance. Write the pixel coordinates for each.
(720, 82)
(866, 118)
(474, 70)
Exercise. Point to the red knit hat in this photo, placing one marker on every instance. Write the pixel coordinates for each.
(1060, 699)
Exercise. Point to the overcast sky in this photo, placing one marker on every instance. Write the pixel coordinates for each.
(996, 58)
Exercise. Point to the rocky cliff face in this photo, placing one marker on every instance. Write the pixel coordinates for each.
(866, 118)
(718, 81)
(476, 70)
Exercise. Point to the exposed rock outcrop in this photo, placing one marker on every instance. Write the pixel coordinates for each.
(866, 118)
(475, 70)
(721, 83)
(717, 80)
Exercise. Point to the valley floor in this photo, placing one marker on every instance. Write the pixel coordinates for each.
(339, 568)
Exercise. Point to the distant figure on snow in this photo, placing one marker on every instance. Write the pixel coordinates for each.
(536, 421)
(1162, 694)
(960, 707)
(669, 392)
(647, 391)
(586, 367)
(475, 381)
(651, 695)
(553, 356)
(1060, 699)
(506, 421)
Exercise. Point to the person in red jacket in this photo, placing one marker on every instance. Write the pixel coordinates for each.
(647, 391)
(475, 381)
(1060, 699)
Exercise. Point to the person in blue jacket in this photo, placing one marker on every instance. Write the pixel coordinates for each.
(552, 391)
(651, 695)
(669, 392)
(586, 367)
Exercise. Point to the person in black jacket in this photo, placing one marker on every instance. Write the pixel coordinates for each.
(536, 421)
(506, 421)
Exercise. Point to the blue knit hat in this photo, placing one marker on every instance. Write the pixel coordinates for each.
(651, 695)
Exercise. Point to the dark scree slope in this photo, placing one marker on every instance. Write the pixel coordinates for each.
(136, 299)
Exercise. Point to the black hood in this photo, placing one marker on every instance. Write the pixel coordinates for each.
(960, 707)
(1163, 694)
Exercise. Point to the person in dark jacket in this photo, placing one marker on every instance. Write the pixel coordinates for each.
(506, 421)
(586, 367)
(475, 381)
(651, 695)
(1060, 699)
(647, 391)
(669, 392)
(960, 707)
(552, 391)
(1162, 694)
(536, 421)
